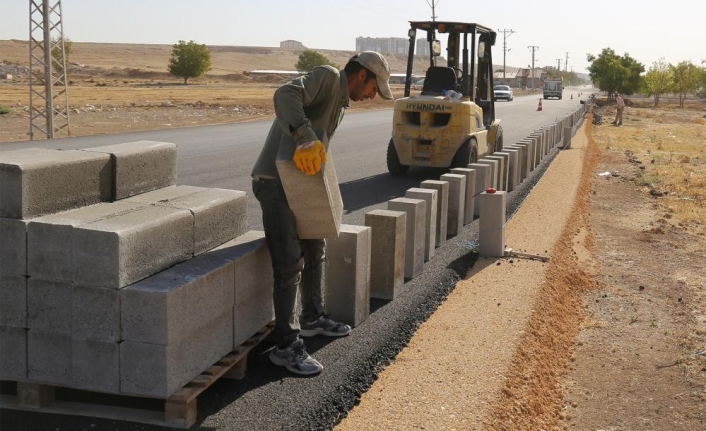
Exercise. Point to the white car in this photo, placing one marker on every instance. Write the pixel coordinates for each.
(503, 92)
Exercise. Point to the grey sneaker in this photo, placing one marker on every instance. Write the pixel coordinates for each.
(295, 359)
(324, 326)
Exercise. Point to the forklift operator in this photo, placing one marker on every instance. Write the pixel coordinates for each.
(315, 101)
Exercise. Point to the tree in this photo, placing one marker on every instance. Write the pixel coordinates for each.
(58, 62)
(189, 60)
(309, 59)
(658, 80)
(686, 79)
(614, 73)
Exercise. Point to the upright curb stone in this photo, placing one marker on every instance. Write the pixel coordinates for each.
(491, 229)
(387, 252)
(348, 275)
(469, 205)
(442, 206)
(494, 166)
(483, 182)
(502, 159)
(457, 200)
(430, 196)
(513, 176)
(414, 233)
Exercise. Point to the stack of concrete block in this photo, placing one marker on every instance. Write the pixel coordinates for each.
(100, 288)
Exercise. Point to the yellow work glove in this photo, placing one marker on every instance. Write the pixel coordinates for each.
(309, 156)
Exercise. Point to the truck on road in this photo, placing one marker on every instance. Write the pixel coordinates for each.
(553, 87)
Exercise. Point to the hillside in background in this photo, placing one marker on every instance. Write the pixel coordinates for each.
(145, 59)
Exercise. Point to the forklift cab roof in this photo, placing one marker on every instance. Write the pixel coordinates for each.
(453, 27)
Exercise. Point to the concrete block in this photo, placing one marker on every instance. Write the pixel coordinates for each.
(515, 169)
(442, 207)
(37, 181)
(157, 370)
(141, 166)
(95, 314)
(491, 229)
(49, 238)
(538, 139)
(567, 137)
(483, 182)
(167, 306)
(430, 196)
(13, 247)
(414, 233)
(387, 252)
(523, 162)
(470, 192)
(530, 153)
(118, 251)
(315, 200)
(219, 214)
(13, 301)
(13, 353)
(494, 166)
(253, 285)
(457, 200)
(502, 166)
(49, 357)
(95, 365)
(348, 275)
(49, 306)
(510, 168)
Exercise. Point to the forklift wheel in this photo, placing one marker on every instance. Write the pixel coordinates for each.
(393, 161)
(467, 153)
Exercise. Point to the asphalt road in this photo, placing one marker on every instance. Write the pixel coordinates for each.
(222, 156)
(269, 398)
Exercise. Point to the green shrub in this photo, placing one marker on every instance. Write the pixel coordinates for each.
(4, 110)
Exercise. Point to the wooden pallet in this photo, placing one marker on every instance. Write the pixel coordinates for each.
(179, 410)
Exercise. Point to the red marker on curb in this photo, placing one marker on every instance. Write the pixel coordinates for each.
(490, 190)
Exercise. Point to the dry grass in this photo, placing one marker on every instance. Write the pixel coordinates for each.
(669, 146)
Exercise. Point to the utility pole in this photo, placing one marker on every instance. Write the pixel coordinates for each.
(566, 63)
(433, 4)
(558, 64)
(47, 70)
(533, 48)
(506, 34)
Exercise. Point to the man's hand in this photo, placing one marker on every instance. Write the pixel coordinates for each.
(309, 156)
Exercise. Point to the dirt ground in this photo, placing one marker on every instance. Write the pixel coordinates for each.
(611, 337)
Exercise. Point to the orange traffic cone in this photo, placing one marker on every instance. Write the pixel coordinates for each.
(539, 108)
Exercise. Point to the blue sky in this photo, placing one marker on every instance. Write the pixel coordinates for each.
(647, 30)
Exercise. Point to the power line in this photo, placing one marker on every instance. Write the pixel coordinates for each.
(566, 63)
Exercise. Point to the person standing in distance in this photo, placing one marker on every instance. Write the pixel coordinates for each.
(620, 107)
(314, 101)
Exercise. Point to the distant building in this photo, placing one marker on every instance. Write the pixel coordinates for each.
(291, 44)
(422, 47)
(383, 45)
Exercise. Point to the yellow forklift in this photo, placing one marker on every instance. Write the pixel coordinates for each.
(451, 122)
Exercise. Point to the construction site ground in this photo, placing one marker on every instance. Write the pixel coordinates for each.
(610, 334)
